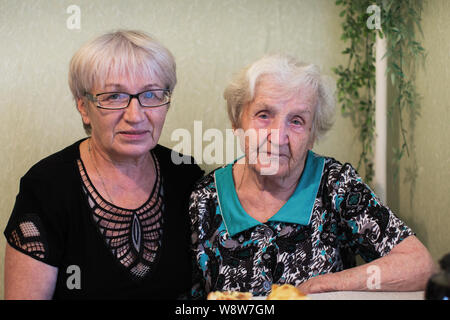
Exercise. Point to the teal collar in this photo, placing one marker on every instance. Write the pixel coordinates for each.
(297, 209)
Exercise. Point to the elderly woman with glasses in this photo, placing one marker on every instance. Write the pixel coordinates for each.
(283, 214)
(107, 216)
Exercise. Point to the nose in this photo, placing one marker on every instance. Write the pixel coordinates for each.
(278, 133)
(134, 113)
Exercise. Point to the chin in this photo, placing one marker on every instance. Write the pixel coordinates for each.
(136, 151)
(273, 166)
(274, 169)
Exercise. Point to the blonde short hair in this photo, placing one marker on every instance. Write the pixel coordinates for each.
(291, 75)
(124, 52)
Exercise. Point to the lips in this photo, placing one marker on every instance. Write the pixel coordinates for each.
(270, 154)
(274, 151)
(134, 134)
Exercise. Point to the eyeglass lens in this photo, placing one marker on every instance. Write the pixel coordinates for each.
(120, 100)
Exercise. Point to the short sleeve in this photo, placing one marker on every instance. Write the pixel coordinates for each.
(33, 228)
(368, 227)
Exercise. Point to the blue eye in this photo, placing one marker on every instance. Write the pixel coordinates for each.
(108, 97)
(297, 122)
(113, 96)
(149, 95)
(263, 115)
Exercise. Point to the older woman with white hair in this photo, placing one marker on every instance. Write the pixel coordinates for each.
(106, 217)
(283, 214)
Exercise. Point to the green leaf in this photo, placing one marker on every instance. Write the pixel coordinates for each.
(356, 82)
(393, 79)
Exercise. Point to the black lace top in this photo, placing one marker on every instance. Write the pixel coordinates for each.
(103, 251)
(133, 236)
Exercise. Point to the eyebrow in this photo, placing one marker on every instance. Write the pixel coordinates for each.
(119, 87)
(303, 112)
(264, 106)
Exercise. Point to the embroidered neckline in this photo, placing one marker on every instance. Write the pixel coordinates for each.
(133, 236)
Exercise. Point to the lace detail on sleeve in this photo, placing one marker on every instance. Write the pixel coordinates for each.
(28, 237)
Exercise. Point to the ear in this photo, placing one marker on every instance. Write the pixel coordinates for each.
(83, 109)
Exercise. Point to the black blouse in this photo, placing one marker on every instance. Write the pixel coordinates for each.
(103, 251)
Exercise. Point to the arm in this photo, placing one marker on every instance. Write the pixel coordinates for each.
(198, 283)
(407, 267)
(27, 278)
(202, 206)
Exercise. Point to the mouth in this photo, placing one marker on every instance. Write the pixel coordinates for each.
(274, 151)
(134, 134)
(277, 155)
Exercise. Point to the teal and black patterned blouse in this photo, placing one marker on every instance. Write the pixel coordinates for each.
(331, 217)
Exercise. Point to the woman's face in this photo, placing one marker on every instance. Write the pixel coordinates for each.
(282, 125)
(124, 133)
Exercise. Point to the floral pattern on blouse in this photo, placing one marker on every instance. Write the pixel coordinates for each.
(347, 220)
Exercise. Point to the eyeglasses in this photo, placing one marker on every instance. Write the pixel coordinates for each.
(121, 100)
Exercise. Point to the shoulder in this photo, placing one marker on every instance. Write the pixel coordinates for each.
(206, 184)
(336, 172)
(204, 193)
(55, 166)
(339, 180)
(202, 205)
(172, 159)
(175, 165)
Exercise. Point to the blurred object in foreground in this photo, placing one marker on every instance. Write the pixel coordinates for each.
(438, 287)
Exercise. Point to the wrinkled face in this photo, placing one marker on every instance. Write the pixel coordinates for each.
(278, 129)
(129, 132)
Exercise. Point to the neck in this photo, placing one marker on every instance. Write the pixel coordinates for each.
(126, 184)
(247, 177)
(129, 166)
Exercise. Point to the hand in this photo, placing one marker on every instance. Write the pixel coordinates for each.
(322, 283)
(406, 268)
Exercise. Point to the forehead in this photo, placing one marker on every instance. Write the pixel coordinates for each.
(270, 92)
(128, 82)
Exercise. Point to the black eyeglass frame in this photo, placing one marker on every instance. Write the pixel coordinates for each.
(93, 98)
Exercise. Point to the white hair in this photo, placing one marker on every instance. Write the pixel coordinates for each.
(291, 75)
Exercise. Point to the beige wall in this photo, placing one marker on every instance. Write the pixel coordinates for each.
(210, 39)
(426, 207)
